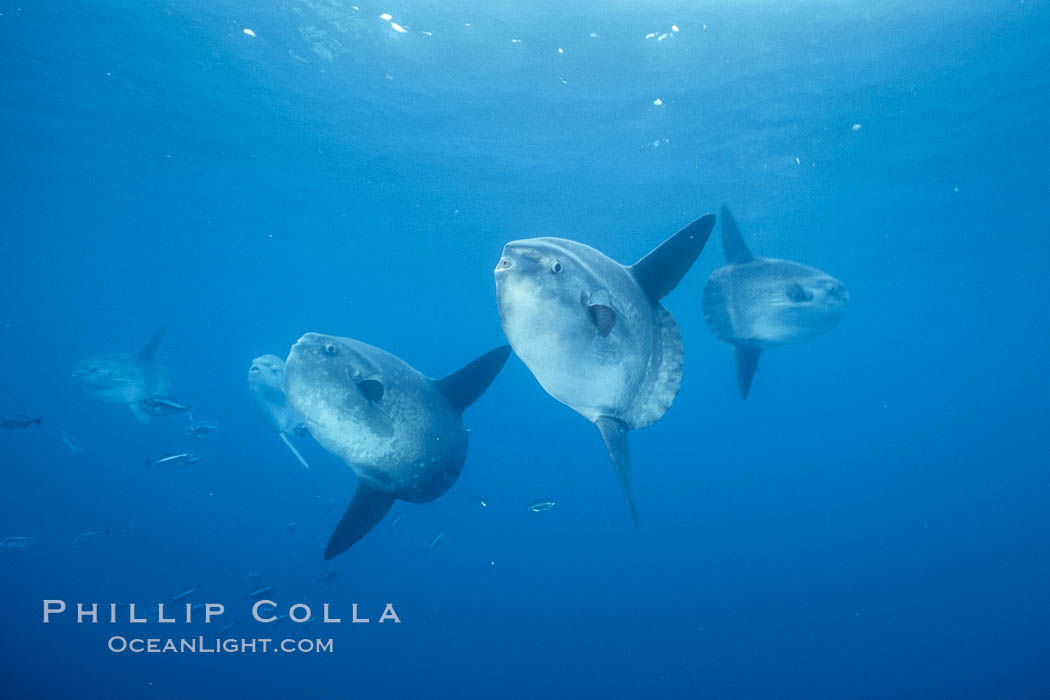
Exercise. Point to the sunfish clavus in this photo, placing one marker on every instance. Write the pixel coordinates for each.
(593, 332)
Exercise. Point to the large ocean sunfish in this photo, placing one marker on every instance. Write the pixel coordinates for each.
(401, 433)
(760, 303)
(593, 332)
(125, 378)
(266, 382)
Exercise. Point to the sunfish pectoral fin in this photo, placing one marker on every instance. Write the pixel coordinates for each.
(746, 362)
(733, 246)
(466, 386)
(664, 267)
(284, 436)
(603, 318)
(372, 389)
(149, 352)
(366, 509)
(615, 435)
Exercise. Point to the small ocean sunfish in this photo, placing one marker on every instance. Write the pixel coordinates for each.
(183, 459)
(756, 304)
(125, 378)
(90, 535)
(541, 504)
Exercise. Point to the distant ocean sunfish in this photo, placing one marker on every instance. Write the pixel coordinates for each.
(593, 331)
(760, 303)
(401, 432)
(125, 378)
(266, 381)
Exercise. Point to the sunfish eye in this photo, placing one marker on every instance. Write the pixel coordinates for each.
(254, 369)
(555, 266)
(330, 349)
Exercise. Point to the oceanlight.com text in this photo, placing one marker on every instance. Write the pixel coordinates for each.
(214, 645)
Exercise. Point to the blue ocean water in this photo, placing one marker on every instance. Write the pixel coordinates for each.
(871, 522)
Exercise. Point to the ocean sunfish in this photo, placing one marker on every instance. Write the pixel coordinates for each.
(401, 432)
(760, 303)
(593, 332)
(266, 381)
(125, 378)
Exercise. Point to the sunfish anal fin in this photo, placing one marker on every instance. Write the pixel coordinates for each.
(736, 251)
(615, 435)
(746, 362)
(664, 267)
(284, 436)
(366, 509)
(465, 386)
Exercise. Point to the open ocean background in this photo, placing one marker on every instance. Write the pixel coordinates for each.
(871, 522)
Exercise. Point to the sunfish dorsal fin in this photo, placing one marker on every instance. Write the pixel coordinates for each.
(664, 267)
(465, 386)
(615, 435)
(736, 251)
(149, 352)
(366, 509)
(746, 362)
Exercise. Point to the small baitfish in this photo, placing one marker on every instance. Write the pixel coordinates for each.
(183, 459)
(23, 421)
(541, 504)
(163, 406)
(90, 535)
(201, 430)
(258, 592)
(433, 542)
(71, 443)
(188, 593)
